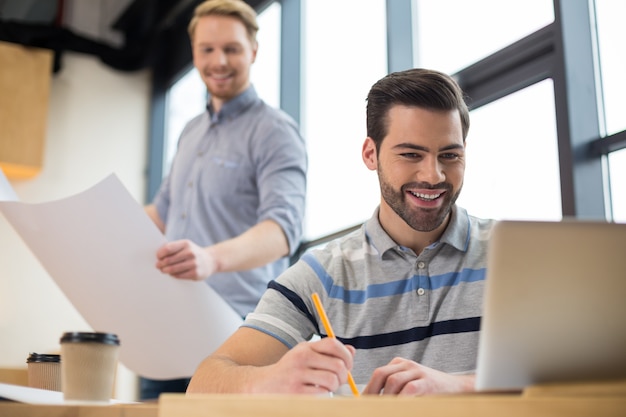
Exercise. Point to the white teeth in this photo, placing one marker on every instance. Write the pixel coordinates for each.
(426, 196)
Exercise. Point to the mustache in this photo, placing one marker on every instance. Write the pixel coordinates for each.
(427, 186)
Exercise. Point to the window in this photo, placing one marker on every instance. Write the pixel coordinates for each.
(453, 34)
(343, 58)
(611, 34)
(612, 64)
(185, 100)
(265, 72)
(617, 173)
(512, 169)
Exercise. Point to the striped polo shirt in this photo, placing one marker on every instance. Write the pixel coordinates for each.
(384, 299)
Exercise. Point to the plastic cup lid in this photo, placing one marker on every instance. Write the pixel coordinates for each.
(38, 357)
(94, 337)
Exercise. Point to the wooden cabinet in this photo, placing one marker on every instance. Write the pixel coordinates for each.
(25, 75)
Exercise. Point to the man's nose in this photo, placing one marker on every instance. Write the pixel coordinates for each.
(218, 58)
(431, 171)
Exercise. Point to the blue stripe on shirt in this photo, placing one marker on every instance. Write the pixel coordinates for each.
(393, 287)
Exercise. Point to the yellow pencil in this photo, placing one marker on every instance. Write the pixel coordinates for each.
(329, 330)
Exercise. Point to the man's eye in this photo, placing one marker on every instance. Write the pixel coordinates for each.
(410, 155)
(449, 156)
(231, 50)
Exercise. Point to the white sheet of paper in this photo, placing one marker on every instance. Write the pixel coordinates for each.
(100, 247)
(30, 395)
(40, 396)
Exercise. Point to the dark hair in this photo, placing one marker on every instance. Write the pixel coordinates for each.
(415, 87)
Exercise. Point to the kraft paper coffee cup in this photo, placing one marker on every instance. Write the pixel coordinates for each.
(88, 366)
(44, 371)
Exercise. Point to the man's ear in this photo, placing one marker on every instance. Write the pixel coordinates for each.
(255, 49)
(369, 154)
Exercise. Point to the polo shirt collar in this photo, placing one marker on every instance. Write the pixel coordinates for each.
(456, 234)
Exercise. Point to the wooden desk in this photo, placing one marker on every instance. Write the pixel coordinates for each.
(171, 405)
(571, 401)
(578, 400)
(15, 376)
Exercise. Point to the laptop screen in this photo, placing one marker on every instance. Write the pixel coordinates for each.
(554, 305)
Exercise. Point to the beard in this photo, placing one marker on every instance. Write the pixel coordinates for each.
(419, 219)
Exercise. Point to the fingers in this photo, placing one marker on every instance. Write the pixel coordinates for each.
(406, 377)
(317, 367)
(334, 348)
(352, 350)
(377, 382)
(177, 259)
(172, 250)
(332, 356)
(400, 376)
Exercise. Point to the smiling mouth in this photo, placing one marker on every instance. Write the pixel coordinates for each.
(220, 77)
(426, 197)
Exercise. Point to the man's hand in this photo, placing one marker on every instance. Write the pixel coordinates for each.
(186, 260)
(405, 377)
(316, 367)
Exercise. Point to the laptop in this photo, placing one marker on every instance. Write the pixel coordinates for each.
(554, 304)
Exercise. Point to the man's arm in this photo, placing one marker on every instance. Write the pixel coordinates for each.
(261, 244)
(251, 361)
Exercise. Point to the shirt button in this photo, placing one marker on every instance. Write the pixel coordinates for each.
(183, 216)
(421, 264)
(420, 291)
(190, 184)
